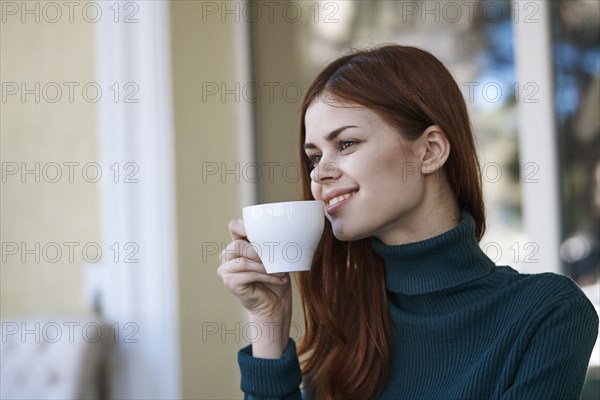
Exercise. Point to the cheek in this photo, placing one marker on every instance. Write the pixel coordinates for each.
(315, 189)
(391, 180)
(401, 168)
(384, 172)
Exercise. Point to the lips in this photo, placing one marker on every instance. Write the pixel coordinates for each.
(336, 199)
(339, 198)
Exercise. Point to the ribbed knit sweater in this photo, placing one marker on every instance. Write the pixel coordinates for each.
(464, 329)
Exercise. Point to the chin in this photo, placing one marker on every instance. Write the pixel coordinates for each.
(347, 235)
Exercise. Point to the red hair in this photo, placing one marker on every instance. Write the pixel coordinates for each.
(349, 334)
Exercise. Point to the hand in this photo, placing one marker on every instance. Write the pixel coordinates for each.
(268, 298)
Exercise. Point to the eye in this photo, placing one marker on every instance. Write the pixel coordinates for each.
(344, 144)
(313, 160)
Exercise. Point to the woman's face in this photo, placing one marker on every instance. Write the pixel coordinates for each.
(368, 176)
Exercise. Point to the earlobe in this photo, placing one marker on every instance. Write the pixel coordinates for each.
(437, 149)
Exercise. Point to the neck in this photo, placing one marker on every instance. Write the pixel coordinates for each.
(447, 260)
(438, 212)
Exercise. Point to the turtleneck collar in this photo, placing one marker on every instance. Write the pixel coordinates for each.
(444, 261)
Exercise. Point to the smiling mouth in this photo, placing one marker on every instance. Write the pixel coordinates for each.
(337, 199)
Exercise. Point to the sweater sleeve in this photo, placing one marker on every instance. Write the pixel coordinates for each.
(556, 358)
(272, 379)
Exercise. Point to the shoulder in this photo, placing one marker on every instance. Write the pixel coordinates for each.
(549, 293)
(538, 294)
(547, 284)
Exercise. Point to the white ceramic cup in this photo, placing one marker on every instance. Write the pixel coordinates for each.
(285, 235)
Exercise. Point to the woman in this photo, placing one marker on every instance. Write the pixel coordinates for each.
(401, 303)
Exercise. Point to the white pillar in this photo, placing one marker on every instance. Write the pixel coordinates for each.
(137, 280)
(537, 133)
(245, 122)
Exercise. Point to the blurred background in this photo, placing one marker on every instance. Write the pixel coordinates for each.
(133, 131)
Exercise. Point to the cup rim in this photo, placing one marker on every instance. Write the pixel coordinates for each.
(282, 203)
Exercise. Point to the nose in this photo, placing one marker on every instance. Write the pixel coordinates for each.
(325, 171)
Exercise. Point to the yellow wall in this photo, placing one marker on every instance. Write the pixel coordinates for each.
(45, 133)
(278, 118)
(203, 55)
(278, 113)
(204, 133)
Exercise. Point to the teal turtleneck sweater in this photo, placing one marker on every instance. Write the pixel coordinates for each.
(464, 329)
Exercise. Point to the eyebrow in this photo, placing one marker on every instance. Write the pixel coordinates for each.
(330, 136)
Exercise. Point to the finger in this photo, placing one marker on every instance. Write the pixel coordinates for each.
(239, 265)
(236, 229)
(243, 279)
(239, 249)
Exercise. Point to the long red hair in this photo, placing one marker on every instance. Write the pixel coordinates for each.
(349, 337)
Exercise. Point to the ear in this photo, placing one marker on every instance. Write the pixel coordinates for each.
(437, 149)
